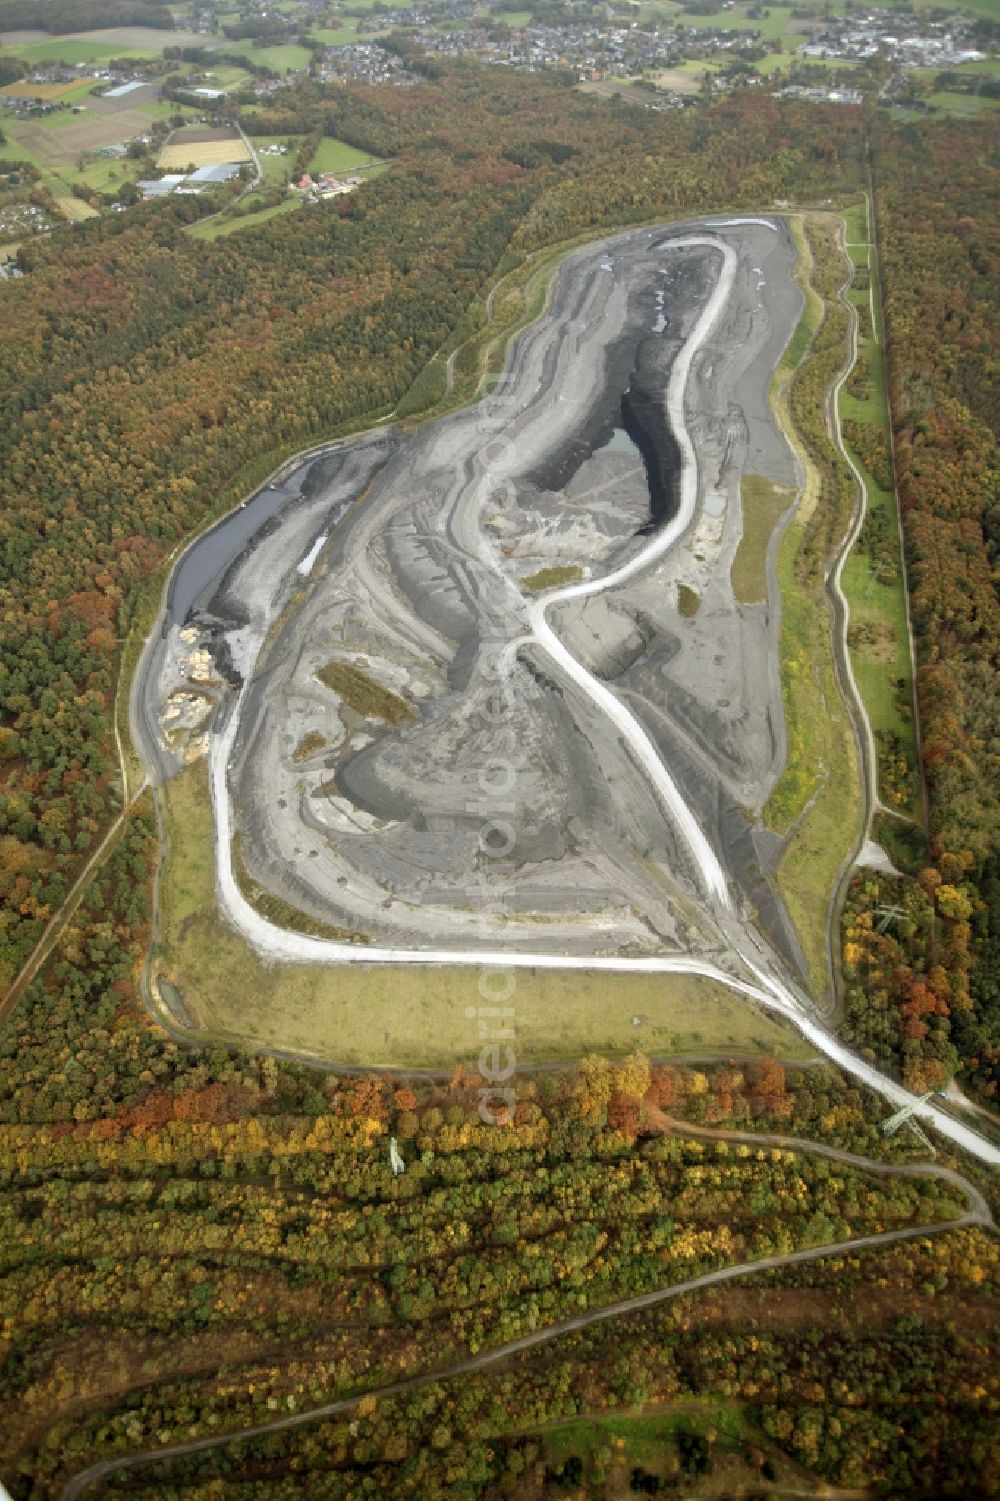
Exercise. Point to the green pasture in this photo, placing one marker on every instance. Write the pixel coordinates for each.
(163, 109)
(226, 76)
(280, 59)
(773, 25)
(988, 66)
(54, 123)
(337, 156)
(335, 36)
(967, 106)
(78, 50)
(215, 228)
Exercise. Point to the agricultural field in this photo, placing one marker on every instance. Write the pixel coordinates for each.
(62, 145)
(48, 92)
(65, 146)
(75, 209)
(96, 46)
(61, 169)
(202, 147)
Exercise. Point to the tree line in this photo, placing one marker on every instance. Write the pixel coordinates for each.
(937, 246)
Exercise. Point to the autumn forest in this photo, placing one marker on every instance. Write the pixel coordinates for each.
(199, 1240)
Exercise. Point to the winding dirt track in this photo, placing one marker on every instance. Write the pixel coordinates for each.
(978, 1214)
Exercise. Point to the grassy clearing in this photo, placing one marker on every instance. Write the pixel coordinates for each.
(817, 800)
(987, 9)
(414, 1015)
(162, 109)
(987, 66)
(363, 694)
(104, 174)
(764, 503)
(601, 1452)
(226, 76)
(338, 156)
(281, 59)
(856, 225)
(879, 642)
(874, 587)
(335, 36)
(809, 321)
(551, 577)
(966, 106)
(780, 62)
(644, 1433)
(215, 228)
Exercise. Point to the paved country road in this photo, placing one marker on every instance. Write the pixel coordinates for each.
(978, 1214)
